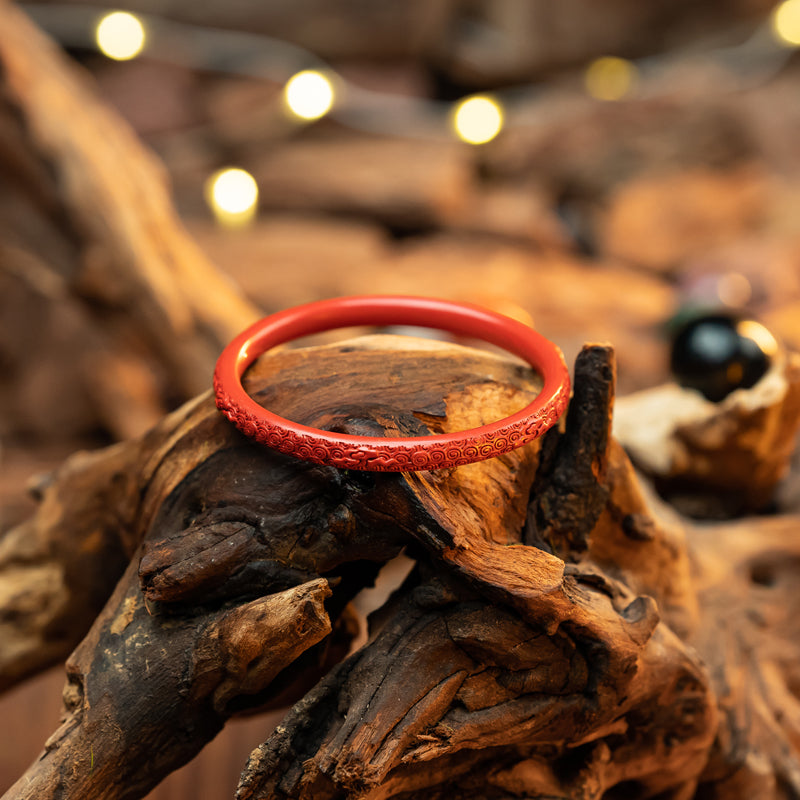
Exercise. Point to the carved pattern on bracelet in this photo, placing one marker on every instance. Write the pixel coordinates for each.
(391, 458)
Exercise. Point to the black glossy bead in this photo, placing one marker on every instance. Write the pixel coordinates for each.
(717, 353)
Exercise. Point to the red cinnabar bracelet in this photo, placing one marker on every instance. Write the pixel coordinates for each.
(391, 454)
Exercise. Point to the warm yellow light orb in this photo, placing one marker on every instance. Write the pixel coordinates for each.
(610, 78)
(309, 94)
(786, 23)
(478, 119)
(120, 36)
(232, 195)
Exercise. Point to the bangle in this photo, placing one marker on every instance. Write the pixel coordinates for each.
(391, 454)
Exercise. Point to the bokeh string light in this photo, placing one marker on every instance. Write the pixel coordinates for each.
(120, 36)
(785, 22)
(611, 78)
(309, 95)
(478, 119)
(312, 89)
(232, 196)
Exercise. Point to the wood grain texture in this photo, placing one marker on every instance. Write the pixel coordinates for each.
(562, 634)
(224, 529)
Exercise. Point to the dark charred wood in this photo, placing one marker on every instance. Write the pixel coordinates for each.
(571, 492)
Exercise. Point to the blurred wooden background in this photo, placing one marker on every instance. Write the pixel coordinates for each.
(591, 220)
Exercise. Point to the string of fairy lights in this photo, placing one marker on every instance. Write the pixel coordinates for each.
(312, 89)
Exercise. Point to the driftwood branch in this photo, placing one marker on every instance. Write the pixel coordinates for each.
(496, 674)
(221, 524)
(562, 634)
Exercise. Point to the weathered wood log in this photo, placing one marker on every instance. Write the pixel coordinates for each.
(129, 314)
(560, 635)
(225, 523)
(508, 664)
(438, 704)
(749, 639)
